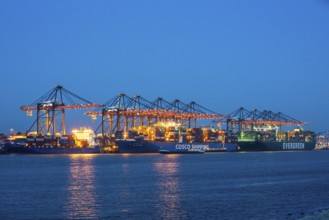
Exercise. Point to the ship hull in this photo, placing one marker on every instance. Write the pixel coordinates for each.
(276, 146)
(57, 150)
(132, 146)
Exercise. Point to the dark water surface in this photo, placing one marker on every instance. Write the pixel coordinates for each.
(284, 185)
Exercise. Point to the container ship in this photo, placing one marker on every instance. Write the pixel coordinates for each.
(274, 140)
(80, 142)
(264, 131)
(173, 137)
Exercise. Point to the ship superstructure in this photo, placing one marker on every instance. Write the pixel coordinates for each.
(322, 140)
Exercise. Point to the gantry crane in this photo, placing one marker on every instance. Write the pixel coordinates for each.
(51, 106)
(122, 112)
(243, 118)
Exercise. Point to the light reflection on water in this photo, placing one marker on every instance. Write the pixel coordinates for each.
(125, 193)
(168, 187)
(218, 186)
(81, 188)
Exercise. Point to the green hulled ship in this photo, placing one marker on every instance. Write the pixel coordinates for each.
(263, 131)
(274, 140)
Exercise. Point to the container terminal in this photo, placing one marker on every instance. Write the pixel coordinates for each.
(137, 125)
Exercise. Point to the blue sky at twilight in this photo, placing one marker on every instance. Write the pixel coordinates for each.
(271, 55)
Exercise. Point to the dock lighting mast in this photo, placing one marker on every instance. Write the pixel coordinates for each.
(51, 110)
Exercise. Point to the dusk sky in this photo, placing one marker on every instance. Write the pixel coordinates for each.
(268, 55)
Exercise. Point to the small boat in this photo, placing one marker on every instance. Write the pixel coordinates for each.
(210, 150)
(189, 151)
